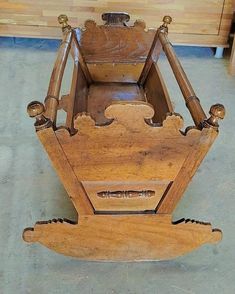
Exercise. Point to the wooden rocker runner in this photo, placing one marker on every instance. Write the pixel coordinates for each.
(121, 154)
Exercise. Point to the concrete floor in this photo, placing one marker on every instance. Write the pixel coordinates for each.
(31, 191)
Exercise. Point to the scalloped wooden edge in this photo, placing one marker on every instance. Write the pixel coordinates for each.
(123, 238)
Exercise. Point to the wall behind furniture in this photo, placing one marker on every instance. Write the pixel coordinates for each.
(201, 22)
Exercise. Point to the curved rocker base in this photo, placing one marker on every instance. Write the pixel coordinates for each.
(123, 238)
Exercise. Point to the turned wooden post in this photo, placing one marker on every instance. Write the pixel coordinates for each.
(36, 109)
(191, 100)
(217, 112)
(51, 100)
(148, 63)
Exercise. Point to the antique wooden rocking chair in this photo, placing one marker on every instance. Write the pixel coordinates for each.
(121, 154)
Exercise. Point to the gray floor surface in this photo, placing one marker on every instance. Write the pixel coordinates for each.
(30, 190)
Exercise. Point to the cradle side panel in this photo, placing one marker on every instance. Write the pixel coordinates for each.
(190, 166)
(65, 172)
(157, 94)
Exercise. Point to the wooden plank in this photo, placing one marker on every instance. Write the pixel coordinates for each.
(157, 94)
(190, 166)
(101, 95)
(65, 171)
(128, 149)
(115, 72)
(198, 22)
(123, 238)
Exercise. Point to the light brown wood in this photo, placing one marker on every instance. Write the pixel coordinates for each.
(200, 22)
(115, 72)
(157, 94)
(122, 44)
(51, 100)
(122, 154)
(191, 100)
(121, 202)
(101, 95)
(190, 166)
(128, 148)
(123, 238)
(65, 171)
(231, 67)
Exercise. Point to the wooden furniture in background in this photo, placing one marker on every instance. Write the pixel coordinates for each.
(231, 67)
(201, 22)
(121, 153)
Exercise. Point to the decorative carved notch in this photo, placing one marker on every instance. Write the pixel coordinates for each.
(126, 194)
(115, 18)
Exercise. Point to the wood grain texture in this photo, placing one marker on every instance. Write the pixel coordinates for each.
(58, 158)
(157, 94)
(128, 148)
(101, 95)
(231, 67)
(202, 22)
(126, 163)
(124, 204)
(123, 238)
(190, 166)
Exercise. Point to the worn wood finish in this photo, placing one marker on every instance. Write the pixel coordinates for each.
(123, 238)
(115, 72)
(77, 99)
(231, 67)
(51, 100)
(205, 23)
(191, 100)
(125, 202)
(128, 148)
(189, 167)
(122, 154)
(65, 171)
(157, 94)
(101, 95)
(122, 44)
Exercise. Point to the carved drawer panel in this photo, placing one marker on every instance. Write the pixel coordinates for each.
(125, 196)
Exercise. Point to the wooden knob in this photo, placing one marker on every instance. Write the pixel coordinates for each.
(35, 108)
(63, 20)
(166, 20)
(217, 112)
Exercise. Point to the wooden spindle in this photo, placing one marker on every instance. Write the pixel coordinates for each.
(148, 63)
(51, 101)
(192, 101)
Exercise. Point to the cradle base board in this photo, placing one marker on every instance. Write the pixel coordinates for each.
(122, 237)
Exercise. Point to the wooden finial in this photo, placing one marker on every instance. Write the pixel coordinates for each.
(217, 112)
(63, 20)
(36, 109)
(166, 21)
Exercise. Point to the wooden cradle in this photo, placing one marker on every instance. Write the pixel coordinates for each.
(121, 154)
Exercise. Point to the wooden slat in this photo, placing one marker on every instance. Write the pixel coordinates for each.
(197, 22)
(157, 94)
